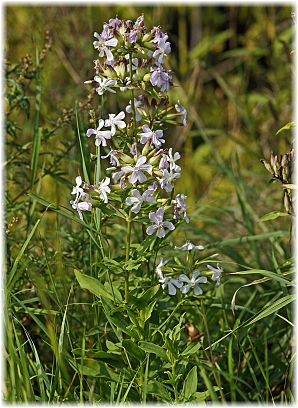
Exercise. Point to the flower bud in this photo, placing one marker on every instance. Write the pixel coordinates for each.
(267, 166)
(125, 158)
(146, 148)
(155, 152)
(148, 37)
(287, 202)
(276, 166)
(154, 160)
(285, 173)
(158, 173)
(149, 45)
(120, 70)
(146, 77)
(272, 159)
(284, 160)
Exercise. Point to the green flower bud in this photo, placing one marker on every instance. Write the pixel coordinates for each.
(152, 153)
(148, 37)
(146, 77)
(154, 160)
(149, 45)
(146, 148)
(125, 158)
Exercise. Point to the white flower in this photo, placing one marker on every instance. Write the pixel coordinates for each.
(188, 246)
(164, 164)
(136, 199)
(163, 49)
(104, 85)
(180, 109)
(171, 283)
(217, 272)
(137, 105)
(159, 224)
(81, 206)
(77, 189)
(180, 207)
(115, 121)
(154, 136)
(137, 171)
(85, 203)
(172, 159)
(102, 46)
(113, 157)
(192, 283)
(167, 179)
(158, 270)
(103, 188)
(101, 136)
(134, 63)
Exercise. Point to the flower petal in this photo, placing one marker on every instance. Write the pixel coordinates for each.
(185, 288)
(184, 278)
(150, 230)
(161, 232)
(172, 289)
(197, 290)
(169, 225)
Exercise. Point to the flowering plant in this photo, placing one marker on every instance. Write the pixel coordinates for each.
(138, 184)
(140, 180)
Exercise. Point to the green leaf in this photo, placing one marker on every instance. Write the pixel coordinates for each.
(202, 396)
(274, 307)
(123, 324)
(288, 126)
(94, 368)
(93, 285)
(156, 388)
(191, 349)
(13, 274)
(268, 274)
(150, 293)
(190, 383)
(145, 313)
(35, 154)
(132, 348)
(273, 215)
(153, 348)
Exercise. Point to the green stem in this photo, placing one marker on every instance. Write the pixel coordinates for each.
(217, 378)
(127, 248)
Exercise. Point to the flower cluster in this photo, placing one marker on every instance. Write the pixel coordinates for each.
(142, 170)
(126, 52)
(84, 193)
(182, 281)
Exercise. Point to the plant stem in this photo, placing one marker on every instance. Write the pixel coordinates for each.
(217, 379)
(128, 236)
